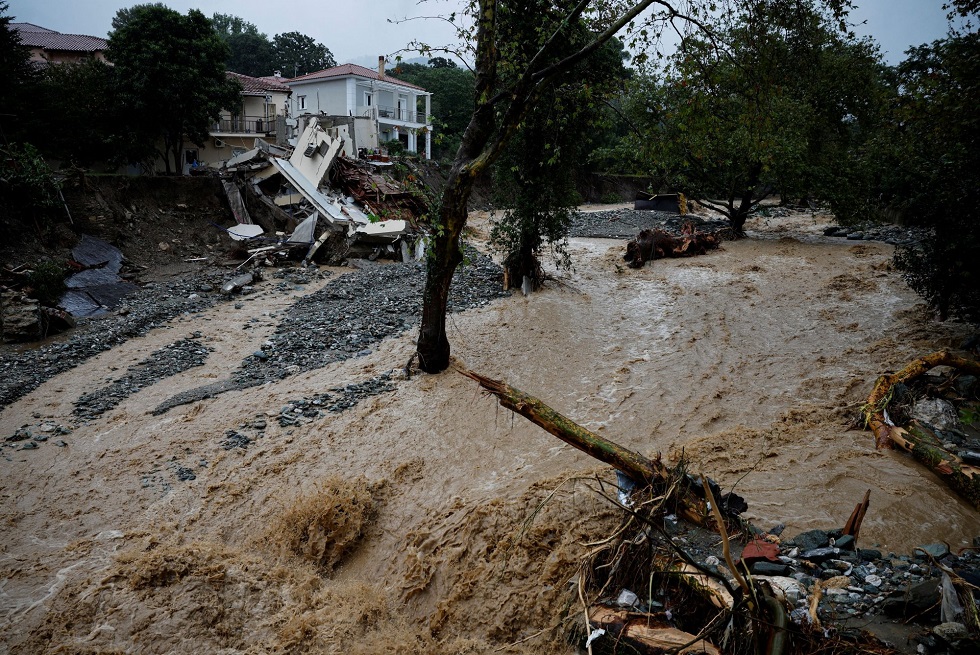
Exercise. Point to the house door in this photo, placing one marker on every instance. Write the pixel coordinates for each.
(401, 110)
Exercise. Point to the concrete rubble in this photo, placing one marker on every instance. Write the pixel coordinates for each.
(333, 205)
(97, 287)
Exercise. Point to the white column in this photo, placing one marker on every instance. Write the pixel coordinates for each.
(351, 96)
(428, 124)
(412, 141)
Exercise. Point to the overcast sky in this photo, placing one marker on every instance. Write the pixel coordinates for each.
(358, 30)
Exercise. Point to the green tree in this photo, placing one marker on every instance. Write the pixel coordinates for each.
(505, 91)
(929, 171)
(536, 177)
(17, 75)
(296, 54)
(452, 99)
(251, 51)
(77, 114)
(251, 54)
(227, 25)
(769, 105)
(170, 73)
(28, 190)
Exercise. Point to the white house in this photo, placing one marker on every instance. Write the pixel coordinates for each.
(399, 110)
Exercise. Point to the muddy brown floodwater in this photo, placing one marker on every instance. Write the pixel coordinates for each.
(427, 519)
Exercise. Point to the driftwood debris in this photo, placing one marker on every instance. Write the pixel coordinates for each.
(918, 440)
(853, 525)
(658, 244)
(708, 607)
(651, 638)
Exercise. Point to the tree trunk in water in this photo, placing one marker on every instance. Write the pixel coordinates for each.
(443, 258)
(745, 203)
(441, 263)
(523, 264)
(638, 468)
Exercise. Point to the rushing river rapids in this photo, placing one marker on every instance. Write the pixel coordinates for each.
(751, 361)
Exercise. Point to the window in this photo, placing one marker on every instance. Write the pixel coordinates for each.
(367, 99)
(301, 102)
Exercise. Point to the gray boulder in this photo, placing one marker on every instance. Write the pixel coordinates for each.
(936, 412)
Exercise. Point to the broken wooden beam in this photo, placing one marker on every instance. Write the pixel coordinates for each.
(645, 636)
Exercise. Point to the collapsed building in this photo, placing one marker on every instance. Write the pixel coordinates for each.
(320, 199)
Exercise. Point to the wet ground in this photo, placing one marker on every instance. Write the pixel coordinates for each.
(157, 533)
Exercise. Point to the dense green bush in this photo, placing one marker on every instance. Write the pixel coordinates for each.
(47, 281)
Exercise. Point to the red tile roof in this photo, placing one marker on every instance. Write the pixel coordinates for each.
(34, 36)
(28, 27)
(351, 69)
(259, 85)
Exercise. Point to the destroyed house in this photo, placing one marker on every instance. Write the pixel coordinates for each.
(397, 110)
(51, 47)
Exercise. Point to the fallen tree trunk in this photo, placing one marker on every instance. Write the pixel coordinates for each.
(657, 244)
(924, 447)
(640, 469)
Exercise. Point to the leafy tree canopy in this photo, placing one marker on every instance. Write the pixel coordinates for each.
(929, 170)
(228, 26)
(16, 72)
(296, 54)
(767, 105)
(251, 54)
(76, 114)
(170, 71)
(250, 50)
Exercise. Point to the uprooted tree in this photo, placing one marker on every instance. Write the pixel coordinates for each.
(742, 614)
(918, 439)
(504, 96)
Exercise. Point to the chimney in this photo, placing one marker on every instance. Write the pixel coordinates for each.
(381, 67)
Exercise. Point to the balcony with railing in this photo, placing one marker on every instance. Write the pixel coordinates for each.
(245, 125)
(401, 114)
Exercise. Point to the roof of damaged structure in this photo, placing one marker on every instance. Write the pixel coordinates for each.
(355, 71)
(35, 36)
(380, 195)
(259, 86)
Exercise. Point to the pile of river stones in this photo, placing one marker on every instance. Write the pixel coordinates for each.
(627, 223)
(858, 585)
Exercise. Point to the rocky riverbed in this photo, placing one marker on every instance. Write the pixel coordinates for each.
(907, 598)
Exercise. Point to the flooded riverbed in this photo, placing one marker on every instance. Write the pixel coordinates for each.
(750, 362)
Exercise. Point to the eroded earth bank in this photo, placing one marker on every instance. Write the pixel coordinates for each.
(436, 522)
